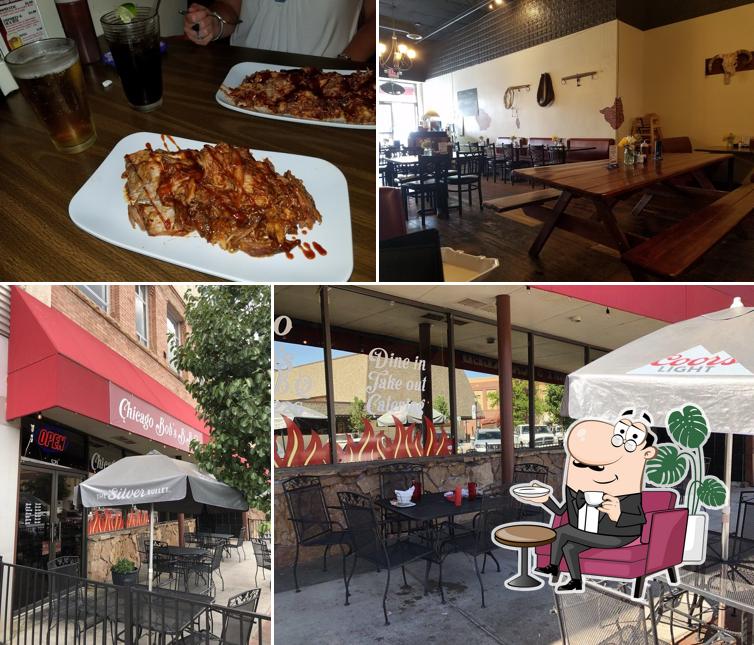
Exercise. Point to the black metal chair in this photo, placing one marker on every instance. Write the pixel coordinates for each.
(67, 596)
(524, 473)
(368, 542)
(236, 628)
(392, 477)
(238, 544)
(311, 521)
(206, 567)
(494, 162)
(263, 557)
(469, 178)
(498, 507)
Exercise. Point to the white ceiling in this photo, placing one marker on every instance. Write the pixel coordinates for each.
(538, 311)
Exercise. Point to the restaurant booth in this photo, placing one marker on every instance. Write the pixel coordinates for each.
(82, 406)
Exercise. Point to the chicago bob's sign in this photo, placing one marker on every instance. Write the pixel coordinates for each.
(135, 415)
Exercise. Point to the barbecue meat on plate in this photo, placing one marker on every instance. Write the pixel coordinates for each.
(222, 193)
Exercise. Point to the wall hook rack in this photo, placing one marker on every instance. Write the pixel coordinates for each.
(578, 78)
(518, 88)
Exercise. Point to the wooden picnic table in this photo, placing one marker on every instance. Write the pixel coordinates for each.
(606, 187)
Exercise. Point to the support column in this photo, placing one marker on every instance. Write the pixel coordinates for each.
(181, 520)
(324, 303)
(425, 374)
(505, 385)
(452, 382)
(532, 389)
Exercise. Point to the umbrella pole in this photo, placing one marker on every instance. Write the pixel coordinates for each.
(725, 534)
(151, 544)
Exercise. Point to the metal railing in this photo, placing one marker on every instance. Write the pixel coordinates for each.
(39, 607)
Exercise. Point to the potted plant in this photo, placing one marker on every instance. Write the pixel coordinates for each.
(124, 573)
(689, 431)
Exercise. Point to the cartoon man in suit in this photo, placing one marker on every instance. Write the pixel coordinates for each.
(604, 475)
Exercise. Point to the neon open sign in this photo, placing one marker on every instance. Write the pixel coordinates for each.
(51, 440)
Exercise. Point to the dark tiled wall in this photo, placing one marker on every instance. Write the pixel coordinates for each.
(517, 25)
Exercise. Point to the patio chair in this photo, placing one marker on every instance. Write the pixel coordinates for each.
(206, 567)
(236, 628)
(498, 507)
(368, 542)
(67, 593)
(238, 544)
(311, 521)
(524, 473)
(392, 477)
(263, 557)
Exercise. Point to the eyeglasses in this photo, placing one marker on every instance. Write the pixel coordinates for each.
(627, 435)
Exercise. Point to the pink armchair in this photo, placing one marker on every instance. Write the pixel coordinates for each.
(659, 548)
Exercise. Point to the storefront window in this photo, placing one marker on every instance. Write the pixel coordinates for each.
(399, 113)
(300, 410)
(97, 293)
(142, 313)
(391, 370)
(173, 322)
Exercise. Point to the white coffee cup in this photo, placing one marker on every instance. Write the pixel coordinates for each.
(593, 497)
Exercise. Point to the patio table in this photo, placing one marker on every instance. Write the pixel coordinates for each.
(605, 187)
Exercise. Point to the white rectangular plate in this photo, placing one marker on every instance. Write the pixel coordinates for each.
(241, 70)
(100, 208)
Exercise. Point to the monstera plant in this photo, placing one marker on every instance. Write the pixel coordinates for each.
(689, 431)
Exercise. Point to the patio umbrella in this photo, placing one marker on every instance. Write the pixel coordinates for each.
(707, 361)
(411, 412)
(293, 411)
(160, 482)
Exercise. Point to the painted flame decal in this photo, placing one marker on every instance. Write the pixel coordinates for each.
(313, 450)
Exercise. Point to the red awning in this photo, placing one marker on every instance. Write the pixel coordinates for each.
(52, 362)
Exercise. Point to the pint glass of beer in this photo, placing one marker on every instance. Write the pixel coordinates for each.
(135, 46)
(49, 75)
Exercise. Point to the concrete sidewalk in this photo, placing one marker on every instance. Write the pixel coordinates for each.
(317, 615)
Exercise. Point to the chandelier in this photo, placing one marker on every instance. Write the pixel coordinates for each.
(396, 58)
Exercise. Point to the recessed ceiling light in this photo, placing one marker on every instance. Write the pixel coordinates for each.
(575, 319)
(414, 36)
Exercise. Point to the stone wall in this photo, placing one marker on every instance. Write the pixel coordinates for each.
(440, 474)
(105, 549)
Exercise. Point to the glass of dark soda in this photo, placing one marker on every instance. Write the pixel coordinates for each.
(135, 45)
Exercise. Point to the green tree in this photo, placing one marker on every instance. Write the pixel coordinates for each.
(520, 402)
(357, 415)
(227, 355)
(441, 405)
(553, 398)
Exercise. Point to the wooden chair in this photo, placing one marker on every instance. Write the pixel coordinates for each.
(677, 144)
(392, 214)
(433, 175)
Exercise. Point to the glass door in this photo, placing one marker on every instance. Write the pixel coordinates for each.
(49, 524)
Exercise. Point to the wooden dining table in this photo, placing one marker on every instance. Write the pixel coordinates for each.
(606, 187)
(38, 240)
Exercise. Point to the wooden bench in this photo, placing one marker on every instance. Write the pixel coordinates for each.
(524, 199)
(675, 249)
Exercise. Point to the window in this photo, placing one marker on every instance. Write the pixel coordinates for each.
(142, 314)
(398, 114)
(174, 336)
(97, 293)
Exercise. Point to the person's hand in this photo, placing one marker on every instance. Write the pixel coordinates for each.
(611, 507)
(208, 25)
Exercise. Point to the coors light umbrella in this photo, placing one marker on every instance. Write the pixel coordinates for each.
(707, 361)
(160, 482)
(409, 413)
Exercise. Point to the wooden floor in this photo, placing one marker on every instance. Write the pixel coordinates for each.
(567, 257)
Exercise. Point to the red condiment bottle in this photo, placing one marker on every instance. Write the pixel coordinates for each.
(77, 25)
(458, 496)
(417, 496)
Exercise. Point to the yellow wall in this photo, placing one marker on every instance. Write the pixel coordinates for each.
(675, 86)
(631, 61)
(575, 111)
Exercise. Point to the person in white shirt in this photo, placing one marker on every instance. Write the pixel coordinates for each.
(327, 28)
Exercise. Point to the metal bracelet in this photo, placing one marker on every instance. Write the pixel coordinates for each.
(222, 22)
